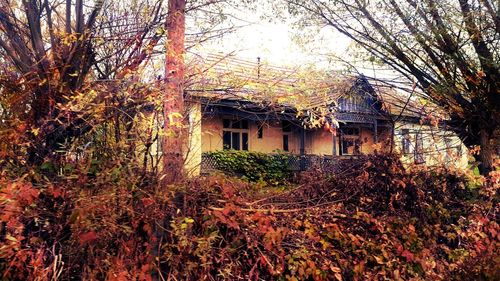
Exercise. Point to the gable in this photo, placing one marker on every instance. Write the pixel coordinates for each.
(360, 104)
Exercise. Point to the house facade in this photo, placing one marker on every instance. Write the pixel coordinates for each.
(335, 125)
(356, 126)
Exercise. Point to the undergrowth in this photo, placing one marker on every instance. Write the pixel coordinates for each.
(373, 220)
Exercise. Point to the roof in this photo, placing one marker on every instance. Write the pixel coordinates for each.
(224, 77)
(217, 77)
(408, 105)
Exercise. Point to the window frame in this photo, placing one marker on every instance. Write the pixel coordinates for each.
(419, 148)
(354, 138)
(235, 127)
(406, 142)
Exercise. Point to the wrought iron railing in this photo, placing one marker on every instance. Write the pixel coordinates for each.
(295, 162)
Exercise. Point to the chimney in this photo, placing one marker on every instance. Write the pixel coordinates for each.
(258, 67)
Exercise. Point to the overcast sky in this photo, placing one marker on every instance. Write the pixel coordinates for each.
(275, 42)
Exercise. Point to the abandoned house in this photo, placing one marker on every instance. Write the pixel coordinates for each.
(316, 118)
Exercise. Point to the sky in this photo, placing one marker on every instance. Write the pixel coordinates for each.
(274, 42)
(279, 43)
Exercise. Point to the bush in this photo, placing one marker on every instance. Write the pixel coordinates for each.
(253, 166)
(373, 220)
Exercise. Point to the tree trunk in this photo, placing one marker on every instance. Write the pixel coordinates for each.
(488, 152)
(173, 121)
(173, 104)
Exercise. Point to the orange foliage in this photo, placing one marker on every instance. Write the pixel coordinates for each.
(370, 220)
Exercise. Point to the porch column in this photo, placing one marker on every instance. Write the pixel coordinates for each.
(192, 153)
(302, 148)
(334, 140)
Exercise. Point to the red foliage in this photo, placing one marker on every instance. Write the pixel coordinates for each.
(371, 220)
(87, 237)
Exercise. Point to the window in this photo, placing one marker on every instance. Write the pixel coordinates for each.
(235, 124)
(350, 146)
(285, 143)
(260, 131)
(419, 148)
(350, 131)
(406, 141)
(350, 143)
(235, 134)
(286, 126)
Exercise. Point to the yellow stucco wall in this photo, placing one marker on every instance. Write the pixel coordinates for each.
(272, 140)
(367, 140)
(193, 150)
(211, 134)
(440, 147)
(318, 142)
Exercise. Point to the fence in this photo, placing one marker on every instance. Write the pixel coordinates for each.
(295, 162)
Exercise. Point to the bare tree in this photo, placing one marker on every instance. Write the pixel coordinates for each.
(451, 48)
(54, 50)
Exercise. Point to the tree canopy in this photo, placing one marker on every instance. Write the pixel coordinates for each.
(450, 48)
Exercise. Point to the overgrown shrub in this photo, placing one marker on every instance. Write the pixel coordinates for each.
(87, 223)
(373, 220)
(253, 166)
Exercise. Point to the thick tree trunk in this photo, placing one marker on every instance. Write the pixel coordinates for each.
(483, 132)
(488, 152)
(173, 104)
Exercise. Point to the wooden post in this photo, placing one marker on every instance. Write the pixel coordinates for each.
(340, 141)
(375, 131)
(334, 140)
(302, 148)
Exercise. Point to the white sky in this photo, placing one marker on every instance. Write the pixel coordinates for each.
(274, 42)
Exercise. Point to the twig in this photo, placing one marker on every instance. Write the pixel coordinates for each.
(282, 210)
